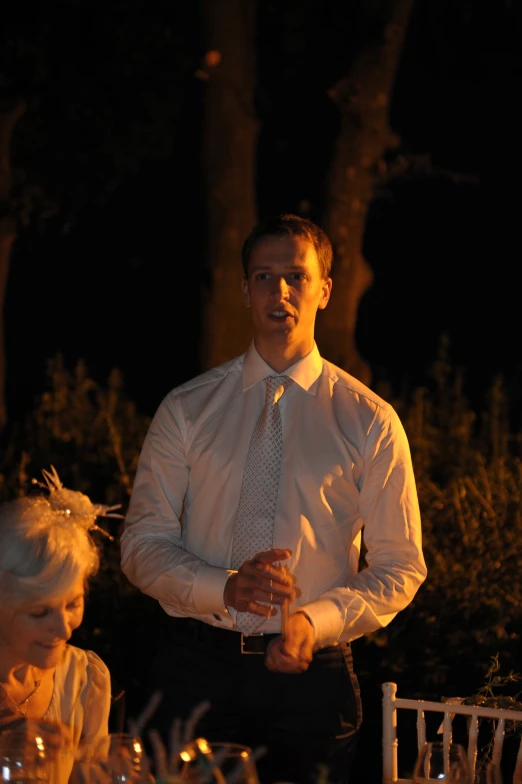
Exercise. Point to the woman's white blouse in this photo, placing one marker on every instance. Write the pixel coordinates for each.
(81, 700)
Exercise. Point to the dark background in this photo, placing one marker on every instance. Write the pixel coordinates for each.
(115, 279)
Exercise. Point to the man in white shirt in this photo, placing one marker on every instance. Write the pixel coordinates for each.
(346, 466)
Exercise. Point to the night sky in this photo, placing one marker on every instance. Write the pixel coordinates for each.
(116, 280)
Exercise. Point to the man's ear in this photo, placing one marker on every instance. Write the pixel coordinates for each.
(325, 293)
(245, 293)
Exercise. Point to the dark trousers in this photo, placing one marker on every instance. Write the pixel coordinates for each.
(307, 722)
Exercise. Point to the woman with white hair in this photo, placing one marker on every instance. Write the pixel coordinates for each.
(47, 555)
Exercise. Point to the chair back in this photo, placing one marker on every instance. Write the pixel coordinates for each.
(445, 714)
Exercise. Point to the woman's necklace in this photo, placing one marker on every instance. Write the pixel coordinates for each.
(19, 706)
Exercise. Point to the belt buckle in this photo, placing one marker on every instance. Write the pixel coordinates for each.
(244, 638)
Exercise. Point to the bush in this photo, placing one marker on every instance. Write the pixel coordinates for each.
(468, 470)
(92, 435)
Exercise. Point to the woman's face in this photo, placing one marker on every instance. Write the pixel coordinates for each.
(36, 633)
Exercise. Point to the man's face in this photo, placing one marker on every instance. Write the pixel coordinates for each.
(284, 289)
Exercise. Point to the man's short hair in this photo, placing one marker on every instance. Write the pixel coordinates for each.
(288, 225)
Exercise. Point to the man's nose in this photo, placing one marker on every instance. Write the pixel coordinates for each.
(280, 287)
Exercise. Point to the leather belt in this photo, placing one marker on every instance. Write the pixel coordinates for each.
(226, 639)
(255, 643)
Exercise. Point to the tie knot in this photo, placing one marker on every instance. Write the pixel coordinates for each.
(275, 387)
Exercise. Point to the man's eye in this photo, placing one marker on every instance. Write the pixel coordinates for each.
(297, 276)
(263, 276)
(38, 614)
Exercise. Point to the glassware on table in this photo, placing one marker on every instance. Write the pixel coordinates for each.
(438, 761)
(16, 767)
(230, 763)
(125, 750)
(38, 748)
(23, 757)
(118, 757)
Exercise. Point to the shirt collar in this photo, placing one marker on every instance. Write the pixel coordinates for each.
(304, 372)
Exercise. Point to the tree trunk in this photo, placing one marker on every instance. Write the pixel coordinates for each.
(229, 154)
(363, 98)
(8, 119)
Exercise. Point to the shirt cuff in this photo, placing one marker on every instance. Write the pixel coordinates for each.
(208, 587)
(326, 619)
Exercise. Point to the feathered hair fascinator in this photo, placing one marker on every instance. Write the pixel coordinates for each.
(73, 505)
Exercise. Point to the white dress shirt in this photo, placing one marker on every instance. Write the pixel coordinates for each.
(346, 464)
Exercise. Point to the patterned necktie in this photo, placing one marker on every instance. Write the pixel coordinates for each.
(257, 502)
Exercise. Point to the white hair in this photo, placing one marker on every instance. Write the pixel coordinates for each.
(42, 553)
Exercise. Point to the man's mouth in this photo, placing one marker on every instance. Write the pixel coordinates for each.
(50, 646)
(280, 315)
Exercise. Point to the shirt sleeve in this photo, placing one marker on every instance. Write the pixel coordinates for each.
(390, 519)
(152, 555)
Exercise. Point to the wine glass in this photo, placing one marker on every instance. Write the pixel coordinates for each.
(37, 751)
(439, 761)
(23, 758)
(18, 767)
(124, 749)
(118, 757)
(230, 763)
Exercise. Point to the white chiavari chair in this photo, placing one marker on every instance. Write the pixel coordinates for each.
(446, 714)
